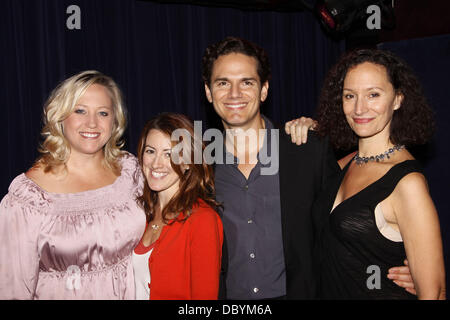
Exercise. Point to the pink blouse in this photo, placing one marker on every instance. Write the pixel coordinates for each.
(71, 246)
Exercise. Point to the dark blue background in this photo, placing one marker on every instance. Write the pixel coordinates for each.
(153, 51)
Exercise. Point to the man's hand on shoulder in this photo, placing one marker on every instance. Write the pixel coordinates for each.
(298, 129)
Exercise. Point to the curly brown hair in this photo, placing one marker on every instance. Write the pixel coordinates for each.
(235, 45)
(412, 124)
(195, 183)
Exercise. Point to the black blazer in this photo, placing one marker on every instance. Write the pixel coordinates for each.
(303, 171)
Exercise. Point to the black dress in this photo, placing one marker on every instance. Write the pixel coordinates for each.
(352, 255)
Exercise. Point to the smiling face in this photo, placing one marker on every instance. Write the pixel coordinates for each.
(156, 164)
(369, 100)
(89, 127)
(236, 91)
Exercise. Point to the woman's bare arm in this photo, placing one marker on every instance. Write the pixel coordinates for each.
(419, 225)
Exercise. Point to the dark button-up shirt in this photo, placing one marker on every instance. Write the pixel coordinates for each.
(252, 226)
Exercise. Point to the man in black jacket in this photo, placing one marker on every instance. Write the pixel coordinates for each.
(267, 212)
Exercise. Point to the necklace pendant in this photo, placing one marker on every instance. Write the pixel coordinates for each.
(155, 228)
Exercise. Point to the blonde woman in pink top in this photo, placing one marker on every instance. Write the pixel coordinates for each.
(69, 225)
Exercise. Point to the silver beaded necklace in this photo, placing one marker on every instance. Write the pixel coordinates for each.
(385, 155)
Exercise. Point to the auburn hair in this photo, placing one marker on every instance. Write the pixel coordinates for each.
(197, 182)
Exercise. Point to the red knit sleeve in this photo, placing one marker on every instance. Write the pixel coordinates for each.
(206, 253)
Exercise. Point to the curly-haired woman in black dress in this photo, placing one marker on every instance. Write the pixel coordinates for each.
(378, 211)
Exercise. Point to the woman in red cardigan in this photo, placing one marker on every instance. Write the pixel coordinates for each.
(179, 254)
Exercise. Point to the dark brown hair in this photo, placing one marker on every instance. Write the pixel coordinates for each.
(196, 182)
(235, 45)
(412, 123)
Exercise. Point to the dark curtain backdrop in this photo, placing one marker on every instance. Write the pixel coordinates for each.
(153, 51)
(430, 59)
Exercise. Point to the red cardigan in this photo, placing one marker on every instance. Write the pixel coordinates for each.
(185, 262)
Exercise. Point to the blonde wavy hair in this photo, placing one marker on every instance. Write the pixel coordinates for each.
(55, 149)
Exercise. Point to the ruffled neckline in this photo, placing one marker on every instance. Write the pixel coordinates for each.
(26, 189)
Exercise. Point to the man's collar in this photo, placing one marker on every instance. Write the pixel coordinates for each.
(265, 149)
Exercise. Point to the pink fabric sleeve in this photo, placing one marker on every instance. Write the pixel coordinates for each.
(19, 261)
